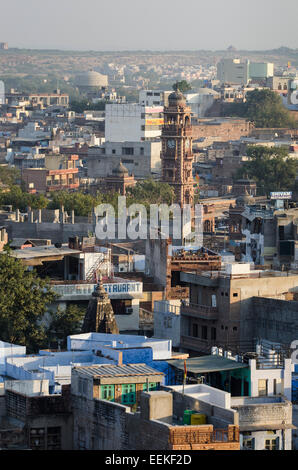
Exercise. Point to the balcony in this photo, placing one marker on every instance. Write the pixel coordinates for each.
(199, 311)
(196, 344)
(174, 130)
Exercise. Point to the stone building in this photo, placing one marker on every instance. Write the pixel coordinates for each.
(176, 154)
(119, 180)
(108, 415)
(221, 308)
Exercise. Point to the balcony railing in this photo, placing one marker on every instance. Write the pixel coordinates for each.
(200, 311)
(196, 344)
(174, 130)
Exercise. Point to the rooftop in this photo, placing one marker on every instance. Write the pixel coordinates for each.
(129, 370)
(203, 364)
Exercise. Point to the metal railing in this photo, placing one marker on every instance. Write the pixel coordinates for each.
(202, 311)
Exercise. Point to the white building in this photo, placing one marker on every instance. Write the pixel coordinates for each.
(133, 122)
(154, 97)
(233, 71)
(201, 101)
(140, 158)
(167, 320)
(261, 70)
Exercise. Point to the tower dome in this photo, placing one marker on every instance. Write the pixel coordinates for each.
(176, 98)
(120, 170)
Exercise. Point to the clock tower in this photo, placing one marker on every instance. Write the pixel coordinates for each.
(176, 152)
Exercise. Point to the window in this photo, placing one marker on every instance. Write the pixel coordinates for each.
(127, 151)
(113, 151)
(81, 438)
(195, 330)
(204, 332)
(248, 443)
(141, 150)
(37, 439)
(263, 387)
(128, 394)
(54, 438)
(108, 392)
(271, 444)
(151, 386)
(235, 294)
(213, 333)
(83, 386)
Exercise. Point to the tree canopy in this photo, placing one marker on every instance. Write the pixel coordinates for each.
(8, 175)
(65, 322)
(271, 168)
(150, 192)
(264, 108)
(85, 105)
(182, 85)
(19, 199)
(23, 302)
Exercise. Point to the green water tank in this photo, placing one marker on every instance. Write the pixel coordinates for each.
(187, 416)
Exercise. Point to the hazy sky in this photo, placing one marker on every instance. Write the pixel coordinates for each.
(149, 24)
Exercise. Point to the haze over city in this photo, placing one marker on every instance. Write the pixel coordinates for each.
(155, 25)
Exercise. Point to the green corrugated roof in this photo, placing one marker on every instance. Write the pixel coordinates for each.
(203, 364)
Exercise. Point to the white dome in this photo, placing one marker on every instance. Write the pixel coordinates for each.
(91, 79)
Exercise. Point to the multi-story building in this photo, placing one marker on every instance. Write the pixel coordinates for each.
(153, 97)
(142, 159)
(120, 408)
(60, 173)
(222, 308)
(233, 71)
(132, 122)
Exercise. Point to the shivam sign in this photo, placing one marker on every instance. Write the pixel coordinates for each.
(281, 195)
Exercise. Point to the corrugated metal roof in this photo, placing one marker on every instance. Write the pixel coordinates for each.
(117, 371)
(203, 364)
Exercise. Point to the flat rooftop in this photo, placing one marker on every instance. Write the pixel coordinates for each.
(46, 251)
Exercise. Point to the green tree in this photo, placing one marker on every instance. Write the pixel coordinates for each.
(150, 192)
(65, 322)
(19, 199)
(9, 175)
(271, 168)
(85, 105)
(81, 203)
(264, 108)
(182, 85)
(23, 302)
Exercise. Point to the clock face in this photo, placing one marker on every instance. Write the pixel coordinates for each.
(187, 143)
(171, 144)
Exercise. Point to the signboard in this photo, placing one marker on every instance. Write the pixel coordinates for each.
(281, 195)
(154, 122)
(123, 288)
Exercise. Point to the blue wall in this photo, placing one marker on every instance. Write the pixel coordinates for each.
(145, 356)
